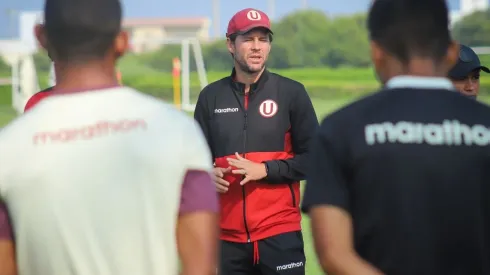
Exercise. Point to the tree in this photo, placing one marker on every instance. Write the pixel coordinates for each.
(473, 29)
(161, 60)
(307, 38)
(348, 43)
(217, 57)
(300, 40)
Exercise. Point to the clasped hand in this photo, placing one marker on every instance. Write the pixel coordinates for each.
(251, 170)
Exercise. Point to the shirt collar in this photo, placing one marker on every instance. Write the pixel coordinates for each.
(420, 82)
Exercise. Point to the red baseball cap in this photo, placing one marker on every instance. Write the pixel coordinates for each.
(246, 20)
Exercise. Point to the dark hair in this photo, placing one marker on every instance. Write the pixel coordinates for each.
(81, 30)
(410, 28)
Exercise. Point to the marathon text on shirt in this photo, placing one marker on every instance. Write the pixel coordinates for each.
(450, 132)
(289, 266)
(96, 130)
(226, 110)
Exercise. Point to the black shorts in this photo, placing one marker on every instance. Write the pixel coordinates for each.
(281, 254)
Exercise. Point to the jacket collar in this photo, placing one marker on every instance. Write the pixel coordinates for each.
(240, 87)
(418, 82)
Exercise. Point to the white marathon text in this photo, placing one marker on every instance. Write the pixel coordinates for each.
(226, 110)
(450, 132)
(289, 266)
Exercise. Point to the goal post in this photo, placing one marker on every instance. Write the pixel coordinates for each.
(24, 81)
(188, 44)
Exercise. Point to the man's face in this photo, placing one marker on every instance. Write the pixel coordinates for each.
(470, 85)
(251, 50)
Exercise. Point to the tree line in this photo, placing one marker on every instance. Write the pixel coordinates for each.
(310, 38)
(301, 39)
(306, 38)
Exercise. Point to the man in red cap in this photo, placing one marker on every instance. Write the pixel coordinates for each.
(258, 125)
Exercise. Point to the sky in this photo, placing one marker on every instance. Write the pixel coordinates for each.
(192, 8)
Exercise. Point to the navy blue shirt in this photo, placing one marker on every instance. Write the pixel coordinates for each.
(411, 165)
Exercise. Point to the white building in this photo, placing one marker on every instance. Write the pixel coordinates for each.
(467, 7)
(147, 34)
(143, 31)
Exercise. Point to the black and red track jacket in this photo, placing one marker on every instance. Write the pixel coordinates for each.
(273, 124)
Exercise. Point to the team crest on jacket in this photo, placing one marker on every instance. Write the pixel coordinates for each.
(268, 108)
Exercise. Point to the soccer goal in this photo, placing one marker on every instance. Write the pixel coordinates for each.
(25, 78)
(187, 45)
(24, 81)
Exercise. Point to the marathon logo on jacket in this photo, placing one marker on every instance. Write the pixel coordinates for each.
(226, 110)
(289, 266)
(450, 132)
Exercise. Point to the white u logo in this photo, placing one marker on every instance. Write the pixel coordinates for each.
(268, 108)
(254, 15)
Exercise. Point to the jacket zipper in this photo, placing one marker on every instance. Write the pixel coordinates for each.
(244, 150)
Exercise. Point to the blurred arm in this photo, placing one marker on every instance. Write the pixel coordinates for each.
(332, 233)
(198, 225)
(197, 228)
(7, 249)
(327, 202)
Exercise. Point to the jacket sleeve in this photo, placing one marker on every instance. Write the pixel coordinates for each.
(201, 115)
(304, 125)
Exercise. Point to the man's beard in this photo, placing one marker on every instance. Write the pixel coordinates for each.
(244, 67)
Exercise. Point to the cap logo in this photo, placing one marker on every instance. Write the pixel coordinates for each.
(253, 15)
(465, 56)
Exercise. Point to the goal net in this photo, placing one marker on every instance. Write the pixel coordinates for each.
(149, 69)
